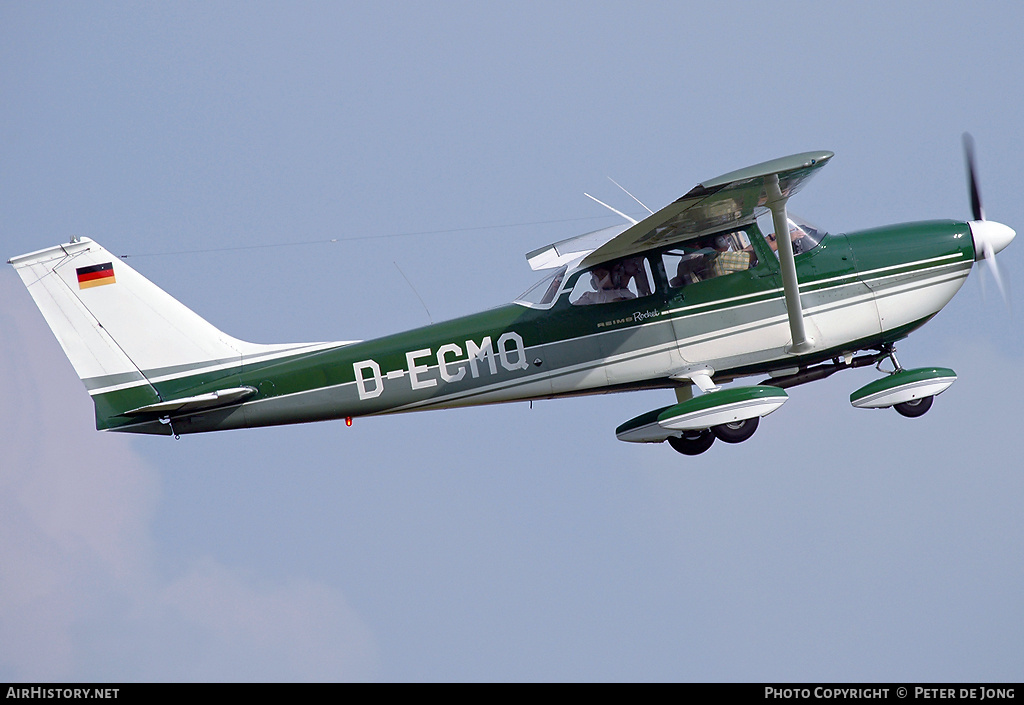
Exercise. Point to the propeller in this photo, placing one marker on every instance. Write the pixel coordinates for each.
(989, 236)
(972, 180)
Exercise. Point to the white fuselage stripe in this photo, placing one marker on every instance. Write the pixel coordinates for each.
(934, 277)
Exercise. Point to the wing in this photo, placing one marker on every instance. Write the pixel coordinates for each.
(732, 199)
(571, 249)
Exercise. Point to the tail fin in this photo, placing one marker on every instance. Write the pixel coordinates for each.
(121, 332)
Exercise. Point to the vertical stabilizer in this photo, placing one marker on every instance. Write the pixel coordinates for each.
(120, 331)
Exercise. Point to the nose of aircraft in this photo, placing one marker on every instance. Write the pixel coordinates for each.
(990, 237)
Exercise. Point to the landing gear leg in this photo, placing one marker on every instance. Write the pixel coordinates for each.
(692, 442)
(890, 352)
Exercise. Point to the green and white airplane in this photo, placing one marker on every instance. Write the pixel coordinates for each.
(694, 295)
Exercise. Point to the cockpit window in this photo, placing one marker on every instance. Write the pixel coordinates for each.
(804, 236)
(623, 280)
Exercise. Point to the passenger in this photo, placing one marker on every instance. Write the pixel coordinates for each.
(686, 270)
(728, 259)
(605, 290)
(694, 265)
(632, 270)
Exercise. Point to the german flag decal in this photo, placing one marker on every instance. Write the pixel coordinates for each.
(96, 275)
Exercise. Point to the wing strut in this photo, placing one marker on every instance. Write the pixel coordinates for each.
(777, 203)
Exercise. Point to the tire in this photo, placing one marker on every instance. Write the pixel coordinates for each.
(913, 409)
(692, 442)
(736, 432)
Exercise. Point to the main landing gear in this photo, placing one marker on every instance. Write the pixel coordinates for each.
(692, 442)
(696, 442)
(737, 431)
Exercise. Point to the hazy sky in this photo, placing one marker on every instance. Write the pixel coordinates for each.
(501, 543)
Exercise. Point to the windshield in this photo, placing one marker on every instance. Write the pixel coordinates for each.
(803, 235)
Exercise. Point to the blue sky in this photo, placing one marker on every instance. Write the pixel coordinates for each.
(501, 543)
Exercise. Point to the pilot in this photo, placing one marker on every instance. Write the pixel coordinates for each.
(796, 235)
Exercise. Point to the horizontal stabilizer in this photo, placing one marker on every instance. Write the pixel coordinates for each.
(199, 402)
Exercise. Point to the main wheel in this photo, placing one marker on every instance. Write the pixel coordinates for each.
(692, 442)
(737, 431)
(914, 408)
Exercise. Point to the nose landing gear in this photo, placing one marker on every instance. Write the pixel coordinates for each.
(910, 392)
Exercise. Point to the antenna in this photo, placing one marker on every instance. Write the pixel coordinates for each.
(429, 317)
(634, 222)
(631, 195)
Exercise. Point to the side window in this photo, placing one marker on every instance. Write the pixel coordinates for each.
(708, 257)
(623, 280)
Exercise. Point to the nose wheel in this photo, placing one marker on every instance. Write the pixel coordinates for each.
(914, 408)
(910, 392)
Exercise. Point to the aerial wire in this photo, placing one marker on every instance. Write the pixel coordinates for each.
(328, 241)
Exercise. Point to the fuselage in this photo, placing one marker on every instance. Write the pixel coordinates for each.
(860, 291)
